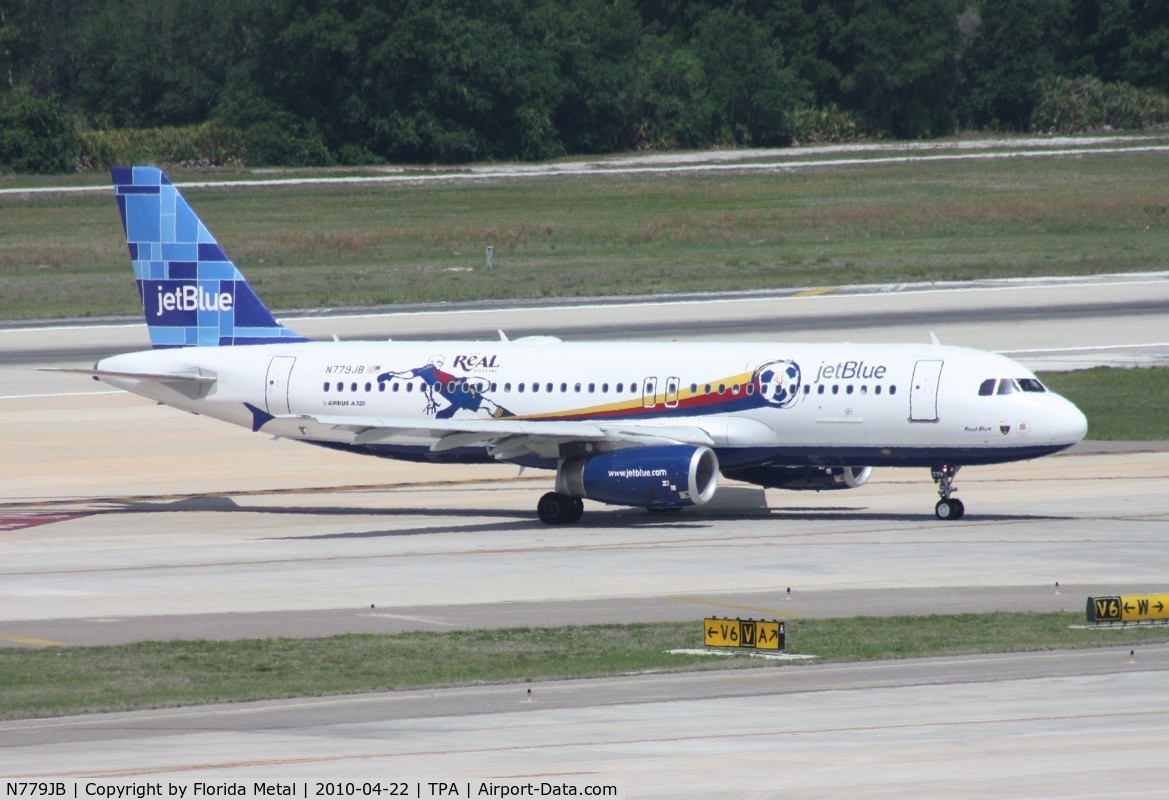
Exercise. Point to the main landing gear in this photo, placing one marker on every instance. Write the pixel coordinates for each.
(948, 508)
(555, 508)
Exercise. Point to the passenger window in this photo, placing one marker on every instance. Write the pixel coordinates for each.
(563, 388)
(986, 389)
(620, 387)
(326, 386)
(877, 389)
(820, 389)
(605, 388)
(409, 386)
(892, 390)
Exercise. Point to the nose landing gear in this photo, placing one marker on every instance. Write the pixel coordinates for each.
(949, 507)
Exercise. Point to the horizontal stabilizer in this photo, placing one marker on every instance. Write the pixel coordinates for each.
(192, 377)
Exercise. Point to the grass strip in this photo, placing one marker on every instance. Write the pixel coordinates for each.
(1120, 404)
(565, 236)
(61, 681)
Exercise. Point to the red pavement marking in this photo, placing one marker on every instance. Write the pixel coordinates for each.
(16, 522)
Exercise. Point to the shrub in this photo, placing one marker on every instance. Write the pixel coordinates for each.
(284, 140)
(206, 144)
(829, 125)
(1088, 104)
(37, 135)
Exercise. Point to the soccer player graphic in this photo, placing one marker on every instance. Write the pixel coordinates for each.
(459, 393)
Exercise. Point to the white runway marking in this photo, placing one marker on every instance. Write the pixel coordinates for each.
(688, 162)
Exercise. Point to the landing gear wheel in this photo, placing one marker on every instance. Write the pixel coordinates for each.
(949, 507)
(559, 509)
(950, 510)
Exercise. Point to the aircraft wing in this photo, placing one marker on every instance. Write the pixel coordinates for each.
(505, 438)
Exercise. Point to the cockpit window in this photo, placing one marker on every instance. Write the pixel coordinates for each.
(1007, 386)
(1032, 385)
(987, 387)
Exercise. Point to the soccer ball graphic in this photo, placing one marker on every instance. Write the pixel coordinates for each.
(778, 382)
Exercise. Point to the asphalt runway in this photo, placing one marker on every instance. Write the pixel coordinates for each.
(118, 521)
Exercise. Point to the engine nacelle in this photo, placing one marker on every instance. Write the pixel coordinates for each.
(800, 478)
(658, 476)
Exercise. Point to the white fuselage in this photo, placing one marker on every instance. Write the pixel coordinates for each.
(798, 404)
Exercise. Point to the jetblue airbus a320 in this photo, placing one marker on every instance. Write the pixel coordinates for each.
(632, 424)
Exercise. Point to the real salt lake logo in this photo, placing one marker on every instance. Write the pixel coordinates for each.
(192, 298)
(472, 362)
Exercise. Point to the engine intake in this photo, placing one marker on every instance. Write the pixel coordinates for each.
(800, 478)
(658, 476)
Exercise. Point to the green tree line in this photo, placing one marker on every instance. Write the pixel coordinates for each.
(318, 82)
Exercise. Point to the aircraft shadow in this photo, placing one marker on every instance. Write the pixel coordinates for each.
(516, 520)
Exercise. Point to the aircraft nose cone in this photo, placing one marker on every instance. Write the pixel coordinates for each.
(1068, 423)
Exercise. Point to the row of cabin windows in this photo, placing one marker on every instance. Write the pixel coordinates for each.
(634, 388)
(992, 386)
(849, 388)
(464, 386)
(821, 388)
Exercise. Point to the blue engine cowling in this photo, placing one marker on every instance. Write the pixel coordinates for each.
(659, 476)
(816, 478)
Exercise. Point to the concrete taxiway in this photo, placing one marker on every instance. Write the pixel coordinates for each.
(1040, 725)
(120, 520)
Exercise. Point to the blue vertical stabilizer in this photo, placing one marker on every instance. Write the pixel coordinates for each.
(192, 294)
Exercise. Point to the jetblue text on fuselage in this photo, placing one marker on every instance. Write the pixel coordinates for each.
(846, 370)
(192, 298)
